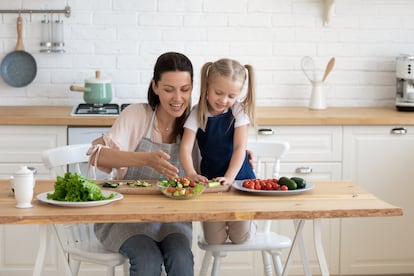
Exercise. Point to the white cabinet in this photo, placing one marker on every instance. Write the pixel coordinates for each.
(22, 145)
(380, 159)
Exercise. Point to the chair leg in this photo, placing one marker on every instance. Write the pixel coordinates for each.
(74, 266)
(206, 263)
(277, 263)
(125, 267)
(215, 271)
(267, 263)
(110, 271)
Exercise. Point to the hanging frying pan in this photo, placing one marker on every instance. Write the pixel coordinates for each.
(18, 68)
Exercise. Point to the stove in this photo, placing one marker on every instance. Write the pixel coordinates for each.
(110, 109)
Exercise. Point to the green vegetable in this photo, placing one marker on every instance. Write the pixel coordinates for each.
(213, 184)
(301, 183)
(288, 182)
(74, 187)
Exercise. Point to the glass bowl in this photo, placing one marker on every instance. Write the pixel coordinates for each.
(181, 188)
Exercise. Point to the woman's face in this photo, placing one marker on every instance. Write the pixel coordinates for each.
(174, 90)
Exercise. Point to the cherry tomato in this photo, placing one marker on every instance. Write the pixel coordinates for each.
(284, 188)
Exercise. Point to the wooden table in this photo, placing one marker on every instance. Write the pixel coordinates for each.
(329, 199)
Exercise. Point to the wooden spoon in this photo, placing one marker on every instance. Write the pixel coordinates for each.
(329, 68)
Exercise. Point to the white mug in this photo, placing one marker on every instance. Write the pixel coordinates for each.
(23, 182)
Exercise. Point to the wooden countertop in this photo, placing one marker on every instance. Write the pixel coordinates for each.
(329, 199)
(60, 115)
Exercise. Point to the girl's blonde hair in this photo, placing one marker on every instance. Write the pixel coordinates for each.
(233, 70)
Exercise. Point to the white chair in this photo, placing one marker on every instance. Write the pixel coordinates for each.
(269, 243)
(78, 241)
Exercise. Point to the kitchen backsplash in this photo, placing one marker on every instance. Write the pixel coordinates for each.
(123, 38)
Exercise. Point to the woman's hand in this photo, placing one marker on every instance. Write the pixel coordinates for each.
(158, 160)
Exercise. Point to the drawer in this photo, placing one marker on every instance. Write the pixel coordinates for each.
(307, 143)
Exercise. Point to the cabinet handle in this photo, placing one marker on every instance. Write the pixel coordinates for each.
(304, 170)
(399, 130)
(265, 131)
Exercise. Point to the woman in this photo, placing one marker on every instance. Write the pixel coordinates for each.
(143, 144)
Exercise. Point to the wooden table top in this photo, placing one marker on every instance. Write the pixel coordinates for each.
(329, 199)
(266, 115)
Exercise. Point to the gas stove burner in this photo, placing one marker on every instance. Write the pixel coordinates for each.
(90, 109)
(98, 110)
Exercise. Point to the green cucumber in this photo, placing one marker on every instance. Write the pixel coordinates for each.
(288, 182)
(301, 183)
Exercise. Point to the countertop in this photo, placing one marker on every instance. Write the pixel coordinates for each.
(61, 115)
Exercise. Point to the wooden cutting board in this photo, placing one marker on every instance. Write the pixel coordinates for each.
(152, 190)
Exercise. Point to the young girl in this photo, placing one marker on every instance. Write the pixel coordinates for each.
(220, 124)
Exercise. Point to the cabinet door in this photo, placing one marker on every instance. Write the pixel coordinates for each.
(23, 145)
(380, 159)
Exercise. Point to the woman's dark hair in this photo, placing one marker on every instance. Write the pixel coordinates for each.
(170, 62)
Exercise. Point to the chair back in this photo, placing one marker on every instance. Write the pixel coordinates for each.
(58, 159)
(267, 152)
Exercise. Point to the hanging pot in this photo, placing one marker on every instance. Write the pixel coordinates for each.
(97, 91)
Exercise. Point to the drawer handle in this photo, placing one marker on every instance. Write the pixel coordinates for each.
(399, 131)
(265, 131)
(304, 170)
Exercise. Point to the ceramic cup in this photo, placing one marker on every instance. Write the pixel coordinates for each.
(22, 182)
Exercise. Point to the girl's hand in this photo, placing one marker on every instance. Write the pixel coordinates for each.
(224, 180)
(198, 177)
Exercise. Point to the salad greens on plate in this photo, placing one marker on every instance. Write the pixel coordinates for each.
(74, 187)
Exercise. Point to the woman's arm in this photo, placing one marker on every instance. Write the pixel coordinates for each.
(239, 153)
(186, 159)
(106, 157)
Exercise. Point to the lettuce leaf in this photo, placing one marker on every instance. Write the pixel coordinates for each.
(74, 187)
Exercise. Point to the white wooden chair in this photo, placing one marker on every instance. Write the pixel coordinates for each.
(78, 241)
(269, 243)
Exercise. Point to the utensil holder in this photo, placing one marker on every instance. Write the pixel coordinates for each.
(318, 97)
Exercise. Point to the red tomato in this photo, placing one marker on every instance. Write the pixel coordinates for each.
(275, 186)
(170, 190)
(284, 188)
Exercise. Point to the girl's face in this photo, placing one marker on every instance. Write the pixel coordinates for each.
(222, 93)
(174, 90)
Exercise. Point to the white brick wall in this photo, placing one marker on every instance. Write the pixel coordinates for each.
(122, 38)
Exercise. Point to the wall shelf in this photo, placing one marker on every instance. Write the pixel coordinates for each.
(66, 11)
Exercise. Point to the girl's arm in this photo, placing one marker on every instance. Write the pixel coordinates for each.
(239, 153)
(186, 159)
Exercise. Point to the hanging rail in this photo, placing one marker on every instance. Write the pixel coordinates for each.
(65, 11)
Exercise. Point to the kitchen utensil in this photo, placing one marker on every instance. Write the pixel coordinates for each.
(318, 97)
(23, 182)
(328, 68)
(308, 67)
(97, 91)
(18, 68)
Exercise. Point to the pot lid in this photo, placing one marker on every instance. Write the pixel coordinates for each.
(98, 79)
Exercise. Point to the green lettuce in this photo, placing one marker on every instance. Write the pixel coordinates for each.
(74, 187)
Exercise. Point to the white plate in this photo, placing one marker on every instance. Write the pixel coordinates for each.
(43, 198)
(238, 184)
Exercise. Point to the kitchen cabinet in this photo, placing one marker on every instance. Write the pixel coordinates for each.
(380, 159)
(22, 145)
